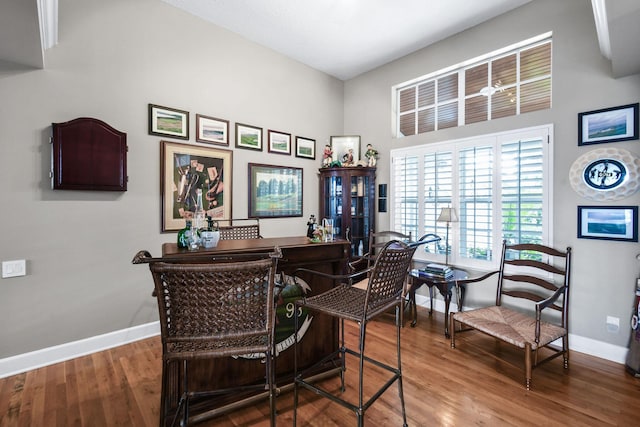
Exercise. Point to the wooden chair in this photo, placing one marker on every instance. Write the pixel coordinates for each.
(384, 291)
(241, 230)
(210, 311)
(535, 279)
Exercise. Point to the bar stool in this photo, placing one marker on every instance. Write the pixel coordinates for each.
(387, 277)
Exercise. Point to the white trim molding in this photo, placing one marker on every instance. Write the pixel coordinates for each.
(48, 356)
(602, 26)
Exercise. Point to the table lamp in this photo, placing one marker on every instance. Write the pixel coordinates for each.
(447, 215)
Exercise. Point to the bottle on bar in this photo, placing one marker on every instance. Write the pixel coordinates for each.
(200, 221)
(183, 236)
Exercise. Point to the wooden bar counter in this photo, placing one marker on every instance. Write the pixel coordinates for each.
(318, 335)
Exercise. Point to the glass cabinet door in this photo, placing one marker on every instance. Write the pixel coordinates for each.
(347, 196)
(333, 204)
(360, 214)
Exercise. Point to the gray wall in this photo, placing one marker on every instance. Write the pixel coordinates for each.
(112, 60)
(604, 272)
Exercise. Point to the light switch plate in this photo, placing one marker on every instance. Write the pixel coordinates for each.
(14, 268)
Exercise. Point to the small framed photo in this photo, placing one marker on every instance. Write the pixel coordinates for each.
(608, 125)
(279, 142)
(185, 169)
(346, 149)
(249, 137)
(608, 223)
(165, 121)
(305, 148)
(274, 191)
(212, 130)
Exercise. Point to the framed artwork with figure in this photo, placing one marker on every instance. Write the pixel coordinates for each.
(185, 169)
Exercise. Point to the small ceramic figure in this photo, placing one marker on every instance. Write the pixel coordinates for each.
(371, 155)
(347, 158)
(327, 156)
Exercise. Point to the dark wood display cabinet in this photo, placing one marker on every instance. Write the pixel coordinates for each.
(347, 195)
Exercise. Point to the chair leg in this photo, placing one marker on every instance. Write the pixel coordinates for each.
(343, 356)
(527, 365)
(400, 390)
(452, 330)
(295, 369)
(271, 387)
(565, 349)
(360, 412)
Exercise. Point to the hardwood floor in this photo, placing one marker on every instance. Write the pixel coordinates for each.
(480, 382)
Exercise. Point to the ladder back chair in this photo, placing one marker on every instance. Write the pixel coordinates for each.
(214, 310)
(532, 304)
(384, 291)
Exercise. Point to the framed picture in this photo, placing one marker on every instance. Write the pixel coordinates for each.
(166, 121)
(305, 148)
(212, 130)
(608, 125)
(186, 169)
(249, 137)
(274, 191)
(346, 149)
(279, 142)
(608, 223)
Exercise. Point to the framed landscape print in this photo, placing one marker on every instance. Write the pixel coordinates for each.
(305, 148)
(167, 121)
(608, 223)
(279, 142)
(249, 137)
(608, 125)
(184, 170)
(274, 191)
(212, 130)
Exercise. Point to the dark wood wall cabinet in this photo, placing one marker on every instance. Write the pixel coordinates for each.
(88, 154)
(347, 195)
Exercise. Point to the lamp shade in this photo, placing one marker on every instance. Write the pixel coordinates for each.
(447, 215)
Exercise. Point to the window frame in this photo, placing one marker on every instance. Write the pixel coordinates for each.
(462, 97)
(496, 141)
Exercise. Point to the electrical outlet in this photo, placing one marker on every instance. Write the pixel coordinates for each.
(14, 268)
(613, 324)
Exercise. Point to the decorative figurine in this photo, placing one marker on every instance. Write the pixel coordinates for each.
(371, 155)
(327, 156)
(347, 158)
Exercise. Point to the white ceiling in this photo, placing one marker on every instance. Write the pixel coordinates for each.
(345, 38)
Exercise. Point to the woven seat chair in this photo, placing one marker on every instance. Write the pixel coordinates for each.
(240, 231)
(377, 240)
(384, 291)
(533, 279)
(211, 311)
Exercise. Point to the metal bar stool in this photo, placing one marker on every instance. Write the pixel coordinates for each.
(384, 291)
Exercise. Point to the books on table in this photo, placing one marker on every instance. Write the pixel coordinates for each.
(439, 270)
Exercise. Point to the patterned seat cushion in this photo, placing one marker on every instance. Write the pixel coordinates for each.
(509, 325)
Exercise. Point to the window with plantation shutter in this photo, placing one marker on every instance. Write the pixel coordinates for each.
(511, 81)
(498, 184)
(405, 195)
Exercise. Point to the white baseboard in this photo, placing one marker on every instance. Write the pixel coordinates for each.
(613, 353)
(47, 356)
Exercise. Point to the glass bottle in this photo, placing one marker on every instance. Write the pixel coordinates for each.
(200, 215)
(183, 235)
(194, 238)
